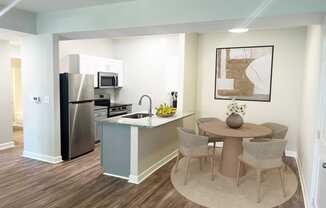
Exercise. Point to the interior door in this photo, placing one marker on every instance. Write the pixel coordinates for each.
(81, 127)
(319, 172)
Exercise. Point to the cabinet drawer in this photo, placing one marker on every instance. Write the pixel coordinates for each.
(101, 113)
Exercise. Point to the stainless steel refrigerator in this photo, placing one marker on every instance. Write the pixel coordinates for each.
(77, 114)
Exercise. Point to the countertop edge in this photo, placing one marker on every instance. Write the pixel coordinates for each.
(167, 120)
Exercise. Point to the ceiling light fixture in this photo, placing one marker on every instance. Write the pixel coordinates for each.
(238, 30)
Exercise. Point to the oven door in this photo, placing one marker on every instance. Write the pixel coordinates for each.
(107, 80)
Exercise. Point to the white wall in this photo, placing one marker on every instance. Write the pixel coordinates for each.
(309, 109)
(288, 69)
(152, 65)
(40, 78)
(6, 94)
(15, 50)
(189, 77)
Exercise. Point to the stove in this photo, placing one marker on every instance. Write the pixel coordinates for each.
(113, 109)
(117, 109)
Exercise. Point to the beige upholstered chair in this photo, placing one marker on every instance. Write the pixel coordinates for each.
(211, 138)
(264, 156)
(192, 146)
(279, 131)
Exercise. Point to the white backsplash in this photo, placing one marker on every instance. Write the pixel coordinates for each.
(108, 93)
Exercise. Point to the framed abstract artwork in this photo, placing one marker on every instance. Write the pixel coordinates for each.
(244, 73)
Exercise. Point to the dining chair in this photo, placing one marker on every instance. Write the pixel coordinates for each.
(263, 156)
(279, 131)
(211, 138)
(193, 146)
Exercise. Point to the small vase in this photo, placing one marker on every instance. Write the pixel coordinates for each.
(234, 121)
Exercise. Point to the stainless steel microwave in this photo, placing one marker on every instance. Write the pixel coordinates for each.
(107, 80)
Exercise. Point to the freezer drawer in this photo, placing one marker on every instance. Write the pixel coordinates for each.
(81, 128)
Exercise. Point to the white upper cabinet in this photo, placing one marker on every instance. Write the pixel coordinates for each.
(115, 66)
(77, 63)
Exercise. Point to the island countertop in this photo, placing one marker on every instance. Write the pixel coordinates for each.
(147, 122)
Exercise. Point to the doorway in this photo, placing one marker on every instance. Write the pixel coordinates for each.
(17, 101)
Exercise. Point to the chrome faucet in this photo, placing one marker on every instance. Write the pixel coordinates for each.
(150, 104)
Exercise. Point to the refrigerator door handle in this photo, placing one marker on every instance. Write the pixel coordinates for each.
(82, 101)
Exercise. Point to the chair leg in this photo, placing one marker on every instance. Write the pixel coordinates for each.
(262, 176)
(285, 159)
(281, 171)
(212, 167)
(177, 162)
(187, 170)
(214, 148)
(238, 173)
(258, 186)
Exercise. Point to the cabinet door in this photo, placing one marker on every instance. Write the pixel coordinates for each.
(91, 65)
(98, 134)
(87, 67)
(116, 66)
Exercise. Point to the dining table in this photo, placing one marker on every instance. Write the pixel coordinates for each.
(232, 143)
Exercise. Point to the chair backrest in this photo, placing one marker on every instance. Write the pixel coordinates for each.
(205, 120)
(279, 131)
(272, 149)
(189, 141)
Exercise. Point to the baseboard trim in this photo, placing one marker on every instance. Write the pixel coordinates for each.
(43, 158)
(116, 176)
(137, 179)
(7, 145)
(303, 183)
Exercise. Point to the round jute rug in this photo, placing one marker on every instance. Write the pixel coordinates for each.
(223, 192)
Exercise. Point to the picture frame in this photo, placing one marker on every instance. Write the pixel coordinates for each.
(244, 73)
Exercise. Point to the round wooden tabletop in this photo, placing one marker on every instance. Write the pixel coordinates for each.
(247, 130)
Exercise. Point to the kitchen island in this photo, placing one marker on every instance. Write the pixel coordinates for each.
(134, 148)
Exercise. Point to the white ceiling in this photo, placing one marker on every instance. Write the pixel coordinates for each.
(201, 27)
(53, 5)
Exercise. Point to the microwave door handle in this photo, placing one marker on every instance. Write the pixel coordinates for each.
(116, 81)
(99, 80)
(113, 81)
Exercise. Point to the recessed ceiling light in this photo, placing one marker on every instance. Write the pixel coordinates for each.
(238, 30)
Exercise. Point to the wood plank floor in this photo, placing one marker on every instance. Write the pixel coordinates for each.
(26, 183)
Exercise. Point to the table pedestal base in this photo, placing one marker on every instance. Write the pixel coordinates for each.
(232, 148)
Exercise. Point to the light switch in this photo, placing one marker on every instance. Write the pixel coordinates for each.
(47, 99)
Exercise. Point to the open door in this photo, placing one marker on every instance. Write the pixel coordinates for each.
(17, 101)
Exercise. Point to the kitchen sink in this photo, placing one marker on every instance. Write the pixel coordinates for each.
(136, 115)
